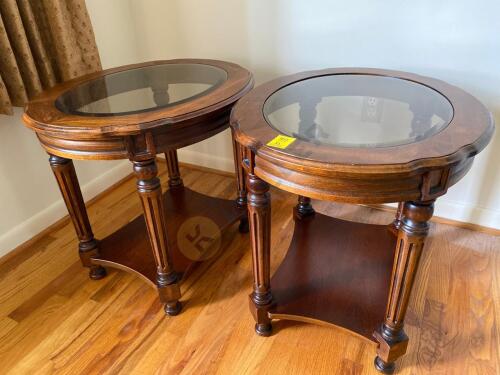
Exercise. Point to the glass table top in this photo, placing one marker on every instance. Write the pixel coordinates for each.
(141, 89)
(357, 110)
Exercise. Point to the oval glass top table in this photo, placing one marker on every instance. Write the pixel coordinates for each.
(136, 112)
(355, 136)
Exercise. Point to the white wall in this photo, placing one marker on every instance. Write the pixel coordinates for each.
(456, 41)
(453, 40)
(29, 198)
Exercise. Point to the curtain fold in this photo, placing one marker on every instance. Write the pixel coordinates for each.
(42, 42)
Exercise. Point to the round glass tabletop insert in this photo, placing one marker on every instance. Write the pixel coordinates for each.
(141, 89)
(358, 110)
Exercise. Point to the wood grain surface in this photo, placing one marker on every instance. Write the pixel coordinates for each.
(418, 171)
(54, 320)
(467, 134)
(335, 271)
(42, 115)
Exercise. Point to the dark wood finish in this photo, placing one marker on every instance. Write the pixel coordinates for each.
(53, 318)
(174, 176)
(128, 248)
(318, 275)
(139, 137)
(149, 189)
(238, 151)
(259, 214)
(412, 232)
(422, 170)
(304, 207)
(339, 272)
(241, 199)
(88, 246)
(42, 116)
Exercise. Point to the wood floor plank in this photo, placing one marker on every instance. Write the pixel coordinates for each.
(54, 320)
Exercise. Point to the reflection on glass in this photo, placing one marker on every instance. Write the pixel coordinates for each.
(141, 89)
(354, 110)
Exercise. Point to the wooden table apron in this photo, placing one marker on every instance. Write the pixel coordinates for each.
(353, 275)
(139, 138)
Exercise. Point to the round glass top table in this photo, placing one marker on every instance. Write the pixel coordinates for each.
(136, 112)
(348, 110)
(355, 136)
(141, 89)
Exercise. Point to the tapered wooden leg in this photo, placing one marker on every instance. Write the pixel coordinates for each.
(304, 208)
(412, 232)
(241, 199)
(149, 189)
(67, 180)
(174, 176)
(259, 212)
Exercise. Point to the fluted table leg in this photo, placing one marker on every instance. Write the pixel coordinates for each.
(149, 189)
(67, 180)
(412, 231)
(259, 212)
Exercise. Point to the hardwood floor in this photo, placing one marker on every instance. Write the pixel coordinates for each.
(54, 320)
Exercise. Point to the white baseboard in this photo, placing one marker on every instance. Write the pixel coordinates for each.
(8, 241)
(206, 160)
(467, 213)
(37, 223)
(445, 208)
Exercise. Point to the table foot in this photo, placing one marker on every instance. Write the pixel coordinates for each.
(97, 273)
(264, 330)
(384, 367)
(173, 308)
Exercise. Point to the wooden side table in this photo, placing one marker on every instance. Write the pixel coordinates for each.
(136, 112)
(355, 136)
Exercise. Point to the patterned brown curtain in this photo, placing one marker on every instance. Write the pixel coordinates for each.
(42, 42)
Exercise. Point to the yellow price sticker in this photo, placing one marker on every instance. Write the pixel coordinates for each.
(281, 141)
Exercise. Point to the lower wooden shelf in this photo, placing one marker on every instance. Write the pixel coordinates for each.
(335, 272)
(129, 249)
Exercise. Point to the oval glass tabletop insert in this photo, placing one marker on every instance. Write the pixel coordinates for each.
(358, 110)
(141, 89)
